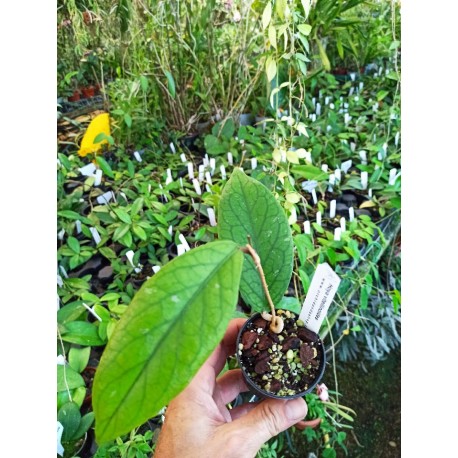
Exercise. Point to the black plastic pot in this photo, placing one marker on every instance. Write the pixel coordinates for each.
(260, 392)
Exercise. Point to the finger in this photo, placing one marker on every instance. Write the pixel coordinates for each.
(269, 418)
(242, 410)
(230, 384)
(226, 347)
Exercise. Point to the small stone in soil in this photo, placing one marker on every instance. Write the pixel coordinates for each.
(248, 339)
(306, 354)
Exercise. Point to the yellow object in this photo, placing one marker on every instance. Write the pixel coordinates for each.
(100, 124)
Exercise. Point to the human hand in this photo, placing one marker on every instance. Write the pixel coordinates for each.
(198, 423)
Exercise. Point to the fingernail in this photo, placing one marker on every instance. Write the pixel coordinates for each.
(295, 409)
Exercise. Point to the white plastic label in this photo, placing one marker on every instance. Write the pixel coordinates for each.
(88, 170)
(319, 297)
(60, 430)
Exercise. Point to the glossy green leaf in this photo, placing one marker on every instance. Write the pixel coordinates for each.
(74, 244)
(103, 164)
(82, 333)
(68, 378)
(78, 358)
(69, 415)
(271, 68)
(128, 120)
(136, 206)
(305, 29)
(122, 215)
(247, 207)
(310, 172)
(170, 328)
(85, 424)
(170, 83)
(139, 232)
(70, 214)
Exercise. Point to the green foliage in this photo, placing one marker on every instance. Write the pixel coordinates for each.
(186, 305)
(248, 213)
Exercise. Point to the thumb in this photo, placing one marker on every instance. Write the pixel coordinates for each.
(266, 420)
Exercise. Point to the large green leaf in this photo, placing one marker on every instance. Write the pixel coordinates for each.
(170, 328)
(247, 207)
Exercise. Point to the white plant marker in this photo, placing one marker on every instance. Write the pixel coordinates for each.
(230, 159)
(60, 282)
(380, 71)
(91, 311)
(283, 156)
(61, 234)
(206, 160)
(327, 100)
(201, 172)
(191, 170)
(318, 218)
(308, 157)
(332, 106)
(369, 193)
(313, 117)
(347, 118)
(208, 178)
(318, 109)
(363, 156)
(60, 447)
(352, 146)
(181, 182)
(375, 107)
(149, 188)
(337, 233)
(346, 105)
(172, 147)
(88, 170)
(184, 242)
(346, 166)
(314, 102)
(223, 172)
(351, 213)
(306, 227)
(98, 177)
(352, 76)
(324, 167)
(254, 163)
(332, 210)
(78, 226)
(95, 235)
(343, 224)
(328, 128)
(183, 158)
(338, 174)
(156, 269)
(180, 250)
(211, 216)
(396, 139)
(314, 197)
(356, 98)
(212, 165)
(361, 85)
(137, 156)
(393, 176)
(169, 178)
(105, 197)
(350, 92)
(61, 360)
(364, 179)
(332, 179)
(63, 271)
(384, 148)
(320, 94)
(170, 230)
(197, 186)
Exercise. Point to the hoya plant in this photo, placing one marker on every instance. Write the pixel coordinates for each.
(180, 314)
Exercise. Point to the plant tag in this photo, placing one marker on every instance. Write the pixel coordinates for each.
(363, 156)
(318, 218)
(351, 213)
(364, 178)
(95, 235)
(324, 167)
(338, 174)
(180, 250)
(169, 178)
(230, 159)
(393, 177)
(343, 224)
(60, 430)
(332, 179)
(172, 147)
(337, 233)
(61, 360)
(306, 227)
(318, 109)
(63, 271)
(206, 161)
(181, 182)
(314, 197)
(207, 188)
(88, 170)
(156, 269)
(346, 166)
(197, 186)
(184, 242)
(137, 156)
(350, 92)
(352, 76)
(60, 283)
(319, 297)
(61, 234)
(201, 172)
(78, 226)
(183, 157)
(105, 198)
(361, 85)
(313, 117)
(98, 177)
(212, 165)
(130, 256)
(326, 100)
(254, 163)
(332, 106)
(396, 139)
(369, 192)
(332, 211)
(191, 170)
(208, 178)
(91, 311)
(211, 216)
(352, 146)
(223, 172)
(347, 118)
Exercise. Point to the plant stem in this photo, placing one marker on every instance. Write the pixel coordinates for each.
(276, 323)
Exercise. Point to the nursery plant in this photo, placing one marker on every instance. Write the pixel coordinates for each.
(180, 314)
